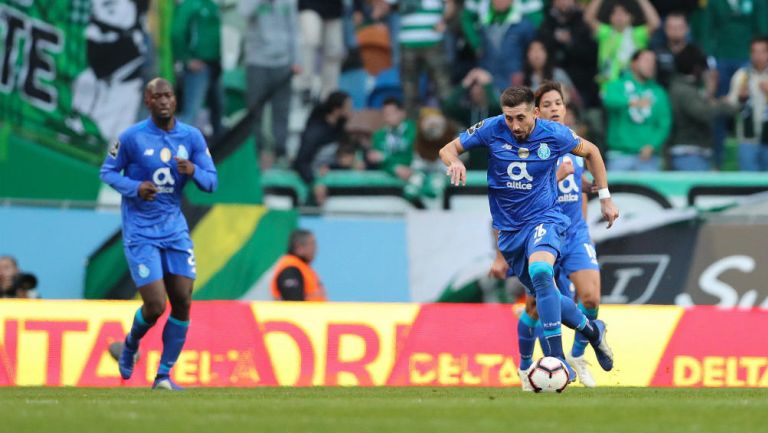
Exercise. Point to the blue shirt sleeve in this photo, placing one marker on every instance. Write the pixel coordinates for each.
(117, 159)
(475, 136)
(565, 139)
(205, 175)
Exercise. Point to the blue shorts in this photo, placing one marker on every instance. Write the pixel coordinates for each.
(149, 261)
(578, 254)
(517, 246)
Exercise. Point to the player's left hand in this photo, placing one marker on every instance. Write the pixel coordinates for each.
(499, 268)
(185, 166)
(609, 210)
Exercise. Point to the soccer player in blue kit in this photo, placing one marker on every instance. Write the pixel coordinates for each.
(522, 193)
(149, 166)
(578, 259)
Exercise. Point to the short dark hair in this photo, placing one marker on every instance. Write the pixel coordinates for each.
(516, 95)
(678, 14)
(392, 100)
(759, 39)
(298, 238)
(335, 100)
(636, 55)
(546, 87)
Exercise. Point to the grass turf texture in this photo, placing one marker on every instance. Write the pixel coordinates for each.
(369, 410)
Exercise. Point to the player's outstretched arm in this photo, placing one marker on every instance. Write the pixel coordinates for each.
(449, 154)
(596, 166)
(111, 171)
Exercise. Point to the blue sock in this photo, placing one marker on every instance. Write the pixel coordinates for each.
(580, 341)
(526, 339)
(572, 316)
(174, 336)
(548, 304)
(138, 329)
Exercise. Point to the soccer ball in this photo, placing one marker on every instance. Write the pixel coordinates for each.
(548, 374)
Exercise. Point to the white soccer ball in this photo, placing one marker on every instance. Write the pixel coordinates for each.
(548, 374)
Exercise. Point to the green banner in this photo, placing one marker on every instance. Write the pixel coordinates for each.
(70, 74)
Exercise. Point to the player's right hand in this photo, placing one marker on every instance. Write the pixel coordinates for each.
(458, 173)
(147, 190)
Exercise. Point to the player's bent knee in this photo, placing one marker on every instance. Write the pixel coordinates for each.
(183, 304)
(538, 268)
(153, 311)
(590, 303)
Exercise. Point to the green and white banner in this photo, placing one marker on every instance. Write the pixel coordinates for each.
(70, 72)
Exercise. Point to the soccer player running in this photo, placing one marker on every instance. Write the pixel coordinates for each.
(522, 193)
(149, 166)
(578, 259)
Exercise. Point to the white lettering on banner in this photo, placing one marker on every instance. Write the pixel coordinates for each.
(163, 177)
(632, 268)
(727, 295)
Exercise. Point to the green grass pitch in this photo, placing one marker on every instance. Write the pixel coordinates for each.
(372, 410)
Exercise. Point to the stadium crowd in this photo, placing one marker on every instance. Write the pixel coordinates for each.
(382, 84)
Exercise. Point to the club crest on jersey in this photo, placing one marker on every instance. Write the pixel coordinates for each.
(165, 154)
(114, 149)
(543, 151)
(182, 152)
(471, 130)
(523, 152)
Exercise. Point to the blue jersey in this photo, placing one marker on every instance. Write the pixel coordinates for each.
(522, 187)
(569, 192)
(146, 152)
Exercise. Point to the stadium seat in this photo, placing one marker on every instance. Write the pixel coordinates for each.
(387, 85)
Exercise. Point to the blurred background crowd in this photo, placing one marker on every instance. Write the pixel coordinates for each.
(382, 84)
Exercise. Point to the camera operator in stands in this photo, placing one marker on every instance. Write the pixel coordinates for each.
(15, 284)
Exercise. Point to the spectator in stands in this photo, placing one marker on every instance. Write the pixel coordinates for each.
(571, 47)
(271, 58)
(729, 27)
(474, 10)
(539, 67)
(638, 116)
(749, 92)
(473, 100)
(434, 130)
(618, 40)
(393, 144)
(13, 283)
(196, 36)
(504, 35)
(321, 140)
(321, 30)
(422, 35)
(694, 109)
(676, 44)
(294, 278)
